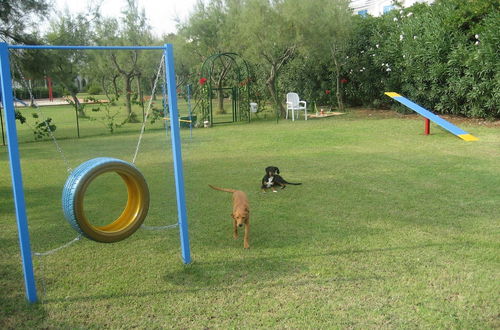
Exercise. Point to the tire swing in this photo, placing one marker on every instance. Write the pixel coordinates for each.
(131, 217)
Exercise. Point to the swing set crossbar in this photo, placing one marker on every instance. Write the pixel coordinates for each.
(15, 163)
(86, 47)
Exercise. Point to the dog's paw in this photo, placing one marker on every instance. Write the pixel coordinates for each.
(275, 191)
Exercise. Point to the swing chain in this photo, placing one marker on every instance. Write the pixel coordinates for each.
(159, 227)
(44, 117)
(74, 240)
(148, 108)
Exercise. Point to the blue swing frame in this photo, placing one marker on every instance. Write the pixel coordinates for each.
(15, 163)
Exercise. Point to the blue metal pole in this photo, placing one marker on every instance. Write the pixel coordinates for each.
(176, 152)
(15, 170)
(86, 47)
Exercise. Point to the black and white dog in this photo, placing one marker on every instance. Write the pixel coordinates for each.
(273, 179)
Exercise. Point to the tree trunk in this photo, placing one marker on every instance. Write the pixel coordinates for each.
(139, 90)
(78, 105)
(271, 86)
(32, 95)
(115, 87)
(103, 86)
(128, 92)
(338, 94)
(140, 96)
(127, 77)
(276, 66)
(220, 84)
(221, 109)
(152, 84)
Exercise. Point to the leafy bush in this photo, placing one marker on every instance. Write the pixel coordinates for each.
(42, 128)
(94, 89)
(38, 92)
(444, 56)
(108, 116)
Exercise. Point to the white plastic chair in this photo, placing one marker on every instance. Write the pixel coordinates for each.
(293, 103)
(253, 107)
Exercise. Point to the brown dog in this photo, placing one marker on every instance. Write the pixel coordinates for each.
(241, 213)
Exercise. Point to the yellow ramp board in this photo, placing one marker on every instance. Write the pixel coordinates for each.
(468, 137)
(392, 94)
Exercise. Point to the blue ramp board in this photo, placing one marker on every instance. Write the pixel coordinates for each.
(432, 117)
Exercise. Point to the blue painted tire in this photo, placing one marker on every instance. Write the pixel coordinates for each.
(132, 216)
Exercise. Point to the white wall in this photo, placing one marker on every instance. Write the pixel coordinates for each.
(376, 7)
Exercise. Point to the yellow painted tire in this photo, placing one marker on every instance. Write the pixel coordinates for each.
(132, 216)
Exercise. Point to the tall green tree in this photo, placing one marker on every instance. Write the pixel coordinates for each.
(100, 68)
(18, 20)
(267, 37)
(18, 25)
(324, 28)
(134, 30)
(206, 33)
(65, 66)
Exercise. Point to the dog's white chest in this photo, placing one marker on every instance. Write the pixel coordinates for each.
(269, 182)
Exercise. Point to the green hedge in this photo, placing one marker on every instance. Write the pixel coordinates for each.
(443, 56)
(38, 92)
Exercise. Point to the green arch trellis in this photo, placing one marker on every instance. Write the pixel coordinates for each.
(240, 91)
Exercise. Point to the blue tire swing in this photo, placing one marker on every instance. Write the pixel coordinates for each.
(138, 199)
(131, 217)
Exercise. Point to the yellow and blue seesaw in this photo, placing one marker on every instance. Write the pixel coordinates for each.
(432, 117)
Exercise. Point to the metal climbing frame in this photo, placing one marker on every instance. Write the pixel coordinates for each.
(15, 164)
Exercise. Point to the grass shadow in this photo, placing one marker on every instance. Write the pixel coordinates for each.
(16, 309)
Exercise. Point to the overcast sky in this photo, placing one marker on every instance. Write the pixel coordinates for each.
(160, 13)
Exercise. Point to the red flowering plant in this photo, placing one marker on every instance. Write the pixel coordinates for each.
(328, 92)
(201, 95)
(244, 82)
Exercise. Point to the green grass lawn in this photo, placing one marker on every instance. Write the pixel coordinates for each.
(390, 229)
(97, 122)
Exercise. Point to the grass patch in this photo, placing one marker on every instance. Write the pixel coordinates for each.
(98, 122)
(390, 229)
(95, 122)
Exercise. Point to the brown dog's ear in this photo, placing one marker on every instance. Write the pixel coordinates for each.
(232, 215)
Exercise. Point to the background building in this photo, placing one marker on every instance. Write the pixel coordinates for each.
(379, 7)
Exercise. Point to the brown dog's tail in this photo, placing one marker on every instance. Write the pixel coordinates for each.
(222, 189)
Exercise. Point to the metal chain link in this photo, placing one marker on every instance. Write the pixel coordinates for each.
(74, 240)
(148, 109)
(42, 268)
(159, 72)
(58, 147)
(159, 227)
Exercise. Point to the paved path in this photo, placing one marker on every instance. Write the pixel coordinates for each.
(45, 102)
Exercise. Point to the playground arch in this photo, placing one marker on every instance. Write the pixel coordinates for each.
(226, 74)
